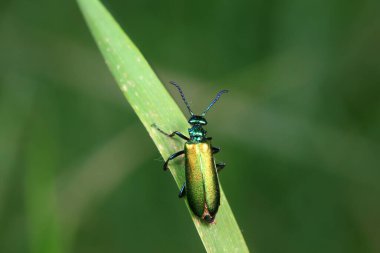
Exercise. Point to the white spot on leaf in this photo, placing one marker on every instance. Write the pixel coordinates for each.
(131, 83)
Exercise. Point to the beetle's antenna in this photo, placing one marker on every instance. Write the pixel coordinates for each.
(214, 101)
(183, 96)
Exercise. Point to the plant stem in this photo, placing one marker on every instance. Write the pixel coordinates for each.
(153, 105)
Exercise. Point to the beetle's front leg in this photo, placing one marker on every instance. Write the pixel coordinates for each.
(182, 191)
(179, 134)
(172, 157)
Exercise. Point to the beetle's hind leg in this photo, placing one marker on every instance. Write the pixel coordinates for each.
(179, 134)
(220, 166)
(182, 191)
(172, 157)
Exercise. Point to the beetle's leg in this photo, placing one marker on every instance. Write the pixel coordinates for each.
(172, 157)
(209, 138)
(172, 134)
(181, 135)
(215, 150)
(220, 166)
(182, 192)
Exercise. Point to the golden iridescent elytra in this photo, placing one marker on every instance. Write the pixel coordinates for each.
(202, 183)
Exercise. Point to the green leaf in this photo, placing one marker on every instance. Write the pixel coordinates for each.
(153, 105)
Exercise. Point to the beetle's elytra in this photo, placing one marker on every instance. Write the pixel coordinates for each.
(202, 183)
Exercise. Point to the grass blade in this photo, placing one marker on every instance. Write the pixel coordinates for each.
(153, 104)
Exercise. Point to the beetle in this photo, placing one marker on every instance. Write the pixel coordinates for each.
(201, 171)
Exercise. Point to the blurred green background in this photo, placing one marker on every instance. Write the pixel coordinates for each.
(299, 129)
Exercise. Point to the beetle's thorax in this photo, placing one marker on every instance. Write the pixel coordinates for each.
(197, 133)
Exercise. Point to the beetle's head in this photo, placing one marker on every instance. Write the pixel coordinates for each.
(197, 120)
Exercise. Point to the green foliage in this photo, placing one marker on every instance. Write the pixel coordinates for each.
(299, 131)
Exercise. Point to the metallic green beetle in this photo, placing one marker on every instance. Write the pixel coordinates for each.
(202, 183)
